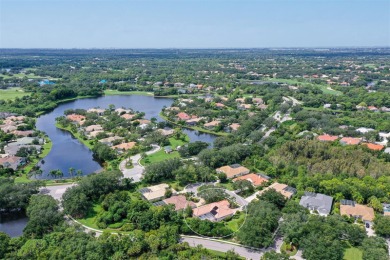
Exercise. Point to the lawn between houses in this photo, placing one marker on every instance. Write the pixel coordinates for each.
(161, 155)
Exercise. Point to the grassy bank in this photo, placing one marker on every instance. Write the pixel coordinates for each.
(76, 135)
(196, 128)
(12, 93)
(46, 148)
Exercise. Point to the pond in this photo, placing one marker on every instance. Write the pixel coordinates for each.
(13, 225)
(68, 152)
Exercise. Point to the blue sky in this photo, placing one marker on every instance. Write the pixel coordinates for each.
(193, 23)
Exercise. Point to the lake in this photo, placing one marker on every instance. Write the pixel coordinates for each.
(13, 225)
(68, 152)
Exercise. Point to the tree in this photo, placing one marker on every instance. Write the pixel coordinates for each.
(4, 241)
(44, 215)
(274, 197)
(75, 202)
(382, 225)
(243, 186)
(272, 255)
(222, 177)
(71, 171)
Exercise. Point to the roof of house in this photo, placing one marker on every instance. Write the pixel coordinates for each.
(363, 211)
(283, 189)
(155, 192)
(180, 202)
(128, 116)
(166, 132)
(93, 128)
(11, 161)
(375, 147)
(350, 140)
(255, 179)
(317, 201)
(257, 100)
(212, 123)
(143, 121)
(23, 133)
(125, 146)
(218, 209)
(75, 117)
(234, 170)
(329, 138)
(96, 110)
(183, 116)
(234, 126)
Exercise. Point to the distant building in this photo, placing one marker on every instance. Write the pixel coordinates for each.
(374, 147)
(233, 170)
(350, 141)
(327, 138)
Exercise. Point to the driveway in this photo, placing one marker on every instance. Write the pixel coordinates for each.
(56, 191)
(222, 247)
(137, 170)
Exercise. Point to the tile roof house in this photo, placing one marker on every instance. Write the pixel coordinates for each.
(317, 202)
(257, 100)
(109, 140)
(283, 189)
(240, 100)
(8, 128)
(358, 211)
(193, 121)
(255, 179)
(233, 170)
(155, 193)
(92, 128)
(374, 147)
(166, 132)
(180, 202)
(76, 118)
(219, 105)
(244, 106)
(128, 116)
(183, 116)
(327, 138)
(386, 209)
(234, 126)
(124, 146)
(350, 141)
(23, 133)
(12, 162)
(212, 124)
(98, 111)
(214, 211)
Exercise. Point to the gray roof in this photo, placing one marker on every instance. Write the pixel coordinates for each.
(317, 201)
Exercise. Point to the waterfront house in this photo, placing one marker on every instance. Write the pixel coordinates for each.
(183, 116)
(211, 125)
(92, 128)
(12, 162)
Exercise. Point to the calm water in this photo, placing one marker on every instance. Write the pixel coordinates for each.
(68, 152)
(14, 227)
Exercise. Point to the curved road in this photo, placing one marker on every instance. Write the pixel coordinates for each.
(137, 170)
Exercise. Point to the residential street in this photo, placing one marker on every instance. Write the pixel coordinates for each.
(56, 191)
(222, 247)
(137, 170)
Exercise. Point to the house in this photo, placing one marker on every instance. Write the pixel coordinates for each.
(180, 202)
(234, 127)
(16, 118)
(283, 189)
(193, 121)
(143, 121)
(385, 109)
(387, 150)
(255, 179)
(166, 131)
(183, 116)
(76, 118)
(374, 147)
(12, 162)
(93, 134)
(124, 146)
(98, 111)
(121, 111)
(172, 108)
(109, 140)
(26, 141)
(13, 149)
(128, 116)
(168, 149)
(257, 101)
(23, 133)
(373, 108)
(92, 128)
(155, 193)
(262, 106)
(358, 211)
(8, 128)
(359, 107)
(317, 202)
(350, 141)
(240, 100)
(212, 124)
(327, 138)
(216, 211)
(244, 106)
(364, 130)
(233, 170)
(219, 105)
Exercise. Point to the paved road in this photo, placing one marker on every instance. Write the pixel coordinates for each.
(223, 247)
(137, 170)
(240, 200)
(56, 191)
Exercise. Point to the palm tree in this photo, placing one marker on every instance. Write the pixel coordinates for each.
(79, 173)
(71, 171)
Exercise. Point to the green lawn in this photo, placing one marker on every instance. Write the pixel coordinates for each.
(283, 248)
(12, 93)
(116, 92)
(77, 135)
(90, 219)
(161, 155)
(235, 224)
(46, 150)
(353, 253)
(228, 185)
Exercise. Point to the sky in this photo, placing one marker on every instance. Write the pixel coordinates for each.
(194, 23)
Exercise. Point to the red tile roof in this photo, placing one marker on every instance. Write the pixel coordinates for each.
(180, 202)
(255, 179)
(350, 140)
(329, 138)
(375, 147)
(183, 116)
